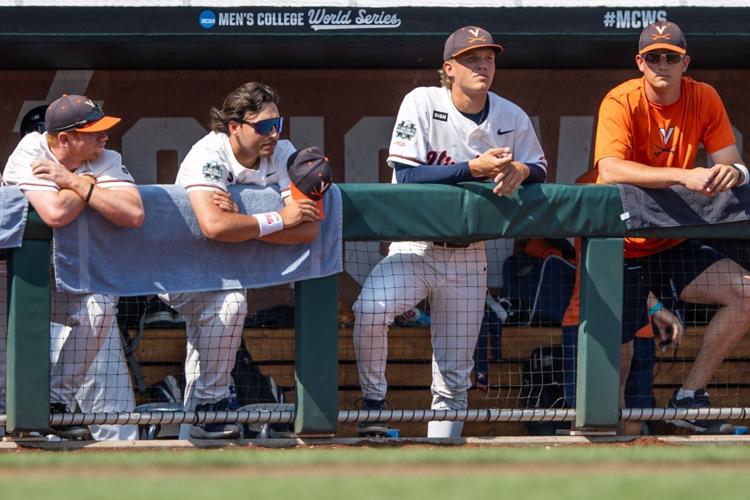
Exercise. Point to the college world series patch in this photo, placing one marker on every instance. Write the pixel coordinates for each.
(212, 171)
(406, 130)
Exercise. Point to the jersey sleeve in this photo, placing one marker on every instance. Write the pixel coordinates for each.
(614, 137)
(718, 133)
(114, 174)
(18, 167)
(284, 149)
(526, 147)
(203, 169)
(410, 138)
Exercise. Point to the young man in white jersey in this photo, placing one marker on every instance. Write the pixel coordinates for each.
(61, 172)
(243, 147)
(458, 132)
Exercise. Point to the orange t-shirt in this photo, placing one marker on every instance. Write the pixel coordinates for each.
(632, 128)
(572, 313)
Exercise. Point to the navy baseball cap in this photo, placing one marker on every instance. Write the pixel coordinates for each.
(662, 35)
(310, 174)
(33, 120)
(468, 38)
(79, 113)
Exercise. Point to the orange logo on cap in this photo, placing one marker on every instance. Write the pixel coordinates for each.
(661, 35)
(475, 36)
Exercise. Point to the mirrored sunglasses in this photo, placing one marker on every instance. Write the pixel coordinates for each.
(266, 127)
(657, 57)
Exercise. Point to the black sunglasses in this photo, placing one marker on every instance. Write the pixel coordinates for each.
(266, 127)
(657, 57)
(96, 114)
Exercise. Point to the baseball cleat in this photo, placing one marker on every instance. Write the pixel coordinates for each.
(699, 400)
(73, 432)
(373, 428)
(216, 430)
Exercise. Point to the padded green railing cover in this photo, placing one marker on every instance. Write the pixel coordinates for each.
(471, 211)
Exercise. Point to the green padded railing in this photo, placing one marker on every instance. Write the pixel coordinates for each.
(388, 212)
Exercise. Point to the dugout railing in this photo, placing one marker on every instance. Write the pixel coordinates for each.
(373, 212)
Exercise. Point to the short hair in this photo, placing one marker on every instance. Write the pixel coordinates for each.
(52, 139)
(247, 98)
(445, 80)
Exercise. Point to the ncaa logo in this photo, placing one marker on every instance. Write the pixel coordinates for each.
(207, 19)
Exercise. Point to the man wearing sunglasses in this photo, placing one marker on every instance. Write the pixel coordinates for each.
(243, 147)
(648, 135)
(62, 171)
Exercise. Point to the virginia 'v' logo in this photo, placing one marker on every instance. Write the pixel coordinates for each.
(661, 35)
(475, 36)
(666, 134)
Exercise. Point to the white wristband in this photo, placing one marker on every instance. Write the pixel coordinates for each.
(743, 170)
(269, 222)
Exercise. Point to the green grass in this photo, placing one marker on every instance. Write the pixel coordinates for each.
(596, 472)
(363, 456)
(666, 486)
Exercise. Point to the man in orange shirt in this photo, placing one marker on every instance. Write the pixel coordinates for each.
(648, 135)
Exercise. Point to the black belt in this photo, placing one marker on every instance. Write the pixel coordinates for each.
(448, 244)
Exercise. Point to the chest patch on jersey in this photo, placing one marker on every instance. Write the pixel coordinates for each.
(212, 171)
(406, 130)
(124, 170)
(439, 115)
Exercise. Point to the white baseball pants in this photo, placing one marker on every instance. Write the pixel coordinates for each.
(455, 282)
(214, 322)
(86, 359)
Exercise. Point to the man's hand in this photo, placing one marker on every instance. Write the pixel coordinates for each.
(507, 181)
(299, 211)
(225, 202)
(711, 181)
(669, 328)
(725, 177)
(491, 162)
(53, 171)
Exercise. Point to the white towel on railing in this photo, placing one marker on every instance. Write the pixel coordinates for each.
(169, 254)
(13, 211)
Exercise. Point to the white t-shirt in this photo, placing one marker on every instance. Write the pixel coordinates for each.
(210, 165)
(107, 169)
(431, 131)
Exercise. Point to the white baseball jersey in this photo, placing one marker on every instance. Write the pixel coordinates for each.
(107, 169)
(431, 131)
(210, 165)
